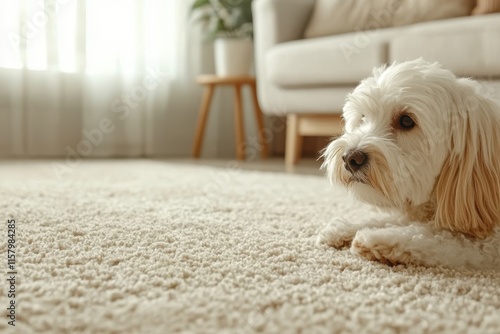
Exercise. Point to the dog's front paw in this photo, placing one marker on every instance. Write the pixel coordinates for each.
(375, 245)
(337, 234)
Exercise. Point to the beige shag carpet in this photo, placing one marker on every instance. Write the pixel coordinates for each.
(158, 247)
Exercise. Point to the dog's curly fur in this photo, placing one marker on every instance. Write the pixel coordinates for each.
(440, 174)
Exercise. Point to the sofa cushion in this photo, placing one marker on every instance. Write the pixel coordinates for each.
(468, 46)
(331, 17)
(334, 60)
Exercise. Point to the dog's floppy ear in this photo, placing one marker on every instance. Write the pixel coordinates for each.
(468, 188)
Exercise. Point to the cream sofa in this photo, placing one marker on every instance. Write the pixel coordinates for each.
(307, 80)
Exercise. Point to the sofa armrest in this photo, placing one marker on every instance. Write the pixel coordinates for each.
(277, 21)
(274, 22)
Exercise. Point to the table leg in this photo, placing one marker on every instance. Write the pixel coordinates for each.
(238, 122)
(264, 149)
(293, 140)
(202, 120)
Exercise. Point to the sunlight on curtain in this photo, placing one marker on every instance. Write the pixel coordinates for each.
(36, 47)
(112, 35)
(66, 33)
(67, 65)
(155, 22)
(136, 33)
(9, 18)
(120, 34)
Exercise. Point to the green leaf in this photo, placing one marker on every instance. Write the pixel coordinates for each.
(199, 3)
(204, 18)
(239, 10)
(221, 26)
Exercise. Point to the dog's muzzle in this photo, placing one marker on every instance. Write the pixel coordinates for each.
(354, 160)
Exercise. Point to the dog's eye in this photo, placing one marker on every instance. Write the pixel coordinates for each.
(406, 122)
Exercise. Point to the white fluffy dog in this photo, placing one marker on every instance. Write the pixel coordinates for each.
(424, 144)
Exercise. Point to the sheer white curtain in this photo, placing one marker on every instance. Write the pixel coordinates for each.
(86, 78)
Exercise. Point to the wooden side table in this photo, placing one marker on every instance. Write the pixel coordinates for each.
(211, 82)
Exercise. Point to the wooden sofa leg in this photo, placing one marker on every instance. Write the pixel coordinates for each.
(293, 141)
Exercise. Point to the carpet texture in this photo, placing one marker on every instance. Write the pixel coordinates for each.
(157, 247)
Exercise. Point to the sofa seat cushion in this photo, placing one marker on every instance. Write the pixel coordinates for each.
(468, 46)
(334, 60)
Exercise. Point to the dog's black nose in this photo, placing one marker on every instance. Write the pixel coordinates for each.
(354, 160)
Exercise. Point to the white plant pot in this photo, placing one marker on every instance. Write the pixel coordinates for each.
(233, 56)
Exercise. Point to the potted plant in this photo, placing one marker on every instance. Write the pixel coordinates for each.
(229, 23)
